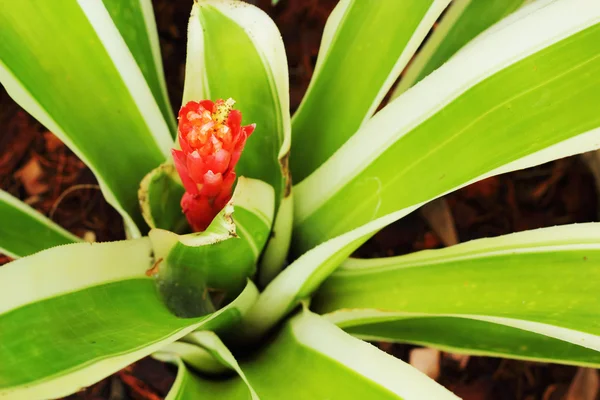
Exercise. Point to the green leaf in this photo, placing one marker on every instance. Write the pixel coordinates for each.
(310, 358)
(530, 295)
(462, 21)
(464, 335)
(190, 386)
(25, 231)
(91, 310)
(219, 260)
(189, 349)
(136, 23)
(301, 278)
(278, 246)
(196, 357)
(211, 343)
(160, 199)
(513, 98)
(235, 50)
(82, 82)
(364, 48)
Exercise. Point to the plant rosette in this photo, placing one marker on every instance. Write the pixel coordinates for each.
(244, 281)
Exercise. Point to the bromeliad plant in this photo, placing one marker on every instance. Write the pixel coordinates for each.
(208, 289)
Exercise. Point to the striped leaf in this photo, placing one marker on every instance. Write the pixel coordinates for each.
(83, 83)
(530, 295)
(91, 310)
(312, 359)
(25, 231)
(364, 48)
(334, 218)
(192, 350)
(301, 278)
(462, 21)
(513, 98)
(136, 23)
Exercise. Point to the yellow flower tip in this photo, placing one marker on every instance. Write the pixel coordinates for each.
(223, 108)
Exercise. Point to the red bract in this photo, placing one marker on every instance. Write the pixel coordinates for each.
(212, 139)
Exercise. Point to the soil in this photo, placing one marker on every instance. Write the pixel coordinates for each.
(36, 167)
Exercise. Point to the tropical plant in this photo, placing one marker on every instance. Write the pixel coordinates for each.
(218, 303)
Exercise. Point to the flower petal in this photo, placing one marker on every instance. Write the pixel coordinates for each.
(234, 121)
(183, 111)
(198, 211)
(196, 167)
(179, 158)
(208, 105)
(248, 129)
(212, 184)
(219, 162)
(185, 147)
(225, 195)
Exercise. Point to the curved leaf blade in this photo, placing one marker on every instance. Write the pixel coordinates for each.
(463, 335)
(189, 386)
(25, 231)
(185, 386)
(364, 48)
(327, 362)
(219, 260)
(160, 196)
(276, 252)
(500, 110)
(81, 82)
(203, 341)
(135, 21)
(463, 20)
(196, 357)
(537, 287)
(96, 318)
(302, 277)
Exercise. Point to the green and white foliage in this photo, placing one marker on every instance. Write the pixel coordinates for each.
(480, 98)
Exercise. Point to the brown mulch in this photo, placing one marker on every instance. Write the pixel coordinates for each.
(36, 167)
(147, 379)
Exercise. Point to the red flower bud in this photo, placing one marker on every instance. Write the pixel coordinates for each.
(212, 140)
